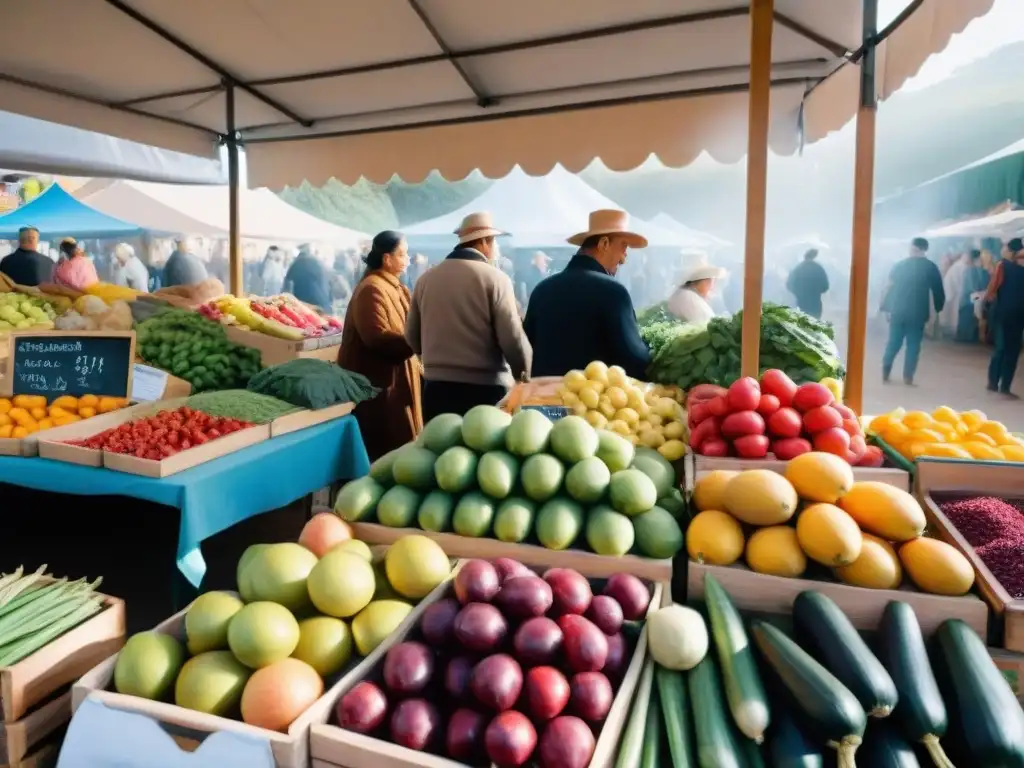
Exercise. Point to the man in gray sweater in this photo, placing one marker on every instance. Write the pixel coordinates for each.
(464, 325)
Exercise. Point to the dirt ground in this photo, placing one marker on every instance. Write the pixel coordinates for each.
(948, 374)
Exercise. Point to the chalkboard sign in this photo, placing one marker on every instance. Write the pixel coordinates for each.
(73, 363)
(553, 412)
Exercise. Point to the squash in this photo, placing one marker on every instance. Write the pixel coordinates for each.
(820, 477)
(828, 535)
(709, 490)
(677, 637)
(884, 510)
(776, 551)
(714, 538)
(877, 566)
(675, 708)
(717, 742)
(788, 745)
(760, 497)
(937, 567)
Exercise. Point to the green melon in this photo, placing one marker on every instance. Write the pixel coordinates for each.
(541, 476)
(632, 492)
(657, 534)
(614, 450)
(358, 499)
(656, 467)
(455, 470)
(473, 515)
(609, 532)
(673, 503)
(514, 519)
(528, 433)
(484, 427)
(381, 469)
(496, 473)
(397, 507)
(435, 511)
(588, 480)
(414, 467)
(559, 522)
(573, 439)
(442, 432)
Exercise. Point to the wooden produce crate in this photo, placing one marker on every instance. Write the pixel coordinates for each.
(335, 747)
(890, 475)
(293, 422)
(189, 728)
(29, 446)
(274, 350)
(587, 563)
(51, 445)
(20, 738)
(45, 756)
(39, 676)
(952, 477)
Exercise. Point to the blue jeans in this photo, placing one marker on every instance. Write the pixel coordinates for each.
(900, 331)
(1008, 335)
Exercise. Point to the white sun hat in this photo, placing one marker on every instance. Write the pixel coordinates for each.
(610, 222)
(477, 226)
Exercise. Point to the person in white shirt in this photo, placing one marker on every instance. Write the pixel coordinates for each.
(273, 271)
(689, 302)
(129, 270)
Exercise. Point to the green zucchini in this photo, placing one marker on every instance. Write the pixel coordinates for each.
(631, 748)
(788, 745)
(717, 747)
(653, 732)
(742, 680)
(826, 701)
(990, 719)
(884, 747)
(921, 715)
(825, 631)
(675, 710)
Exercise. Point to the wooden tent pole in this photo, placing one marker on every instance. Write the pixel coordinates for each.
(761, 21)
(863, 203)
(235, 265)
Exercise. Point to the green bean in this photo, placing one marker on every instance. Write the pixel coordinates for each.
(13, 653)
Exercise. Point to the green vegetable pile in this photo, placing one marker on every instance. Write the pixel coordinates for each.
(687, 354)
(196, 349)
(36, 610)
(311, 383)
(241, 404)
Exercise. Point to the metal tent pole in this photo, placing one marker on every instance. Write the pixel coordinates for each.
(863, 201)
(761, 21)
(234, 232)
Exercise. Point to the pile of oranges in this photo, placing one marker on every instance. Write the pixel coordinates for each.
(23, 415)
(945, 433)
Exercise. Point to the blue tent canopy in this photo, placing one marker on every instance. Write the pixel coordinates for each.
(55, 213)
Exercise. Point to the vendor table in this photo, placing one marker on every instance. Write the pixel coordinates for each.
(216, 495)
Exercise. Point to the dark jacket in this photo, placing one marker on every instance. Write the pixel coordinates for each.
(27, 267)
(808, 282)
(914, 283)
(580, 315)
(183, 268)
(309, 281)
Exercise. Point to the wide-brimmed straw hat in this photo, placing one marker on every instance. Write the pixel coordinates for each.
(610, 222)
(477, 226)
(703, 272)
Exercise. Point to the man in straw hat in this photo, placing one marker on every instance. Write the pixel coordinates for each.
(464, 325)
(583, 314)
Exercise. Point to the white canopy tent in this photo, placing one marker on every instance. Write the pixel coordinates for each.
(1005, 226)
(689, 237)
(203, 210)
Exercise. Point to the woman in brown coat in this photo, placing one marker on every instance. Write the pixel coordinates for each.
(373, 344)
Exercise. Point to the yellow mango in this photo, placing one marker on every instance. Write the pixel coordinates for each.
(5, 430)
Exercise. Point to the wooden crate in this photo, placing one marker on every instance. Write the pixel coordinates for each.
(890, 475)
(980, 479)
(775, 594)
(334, 747)
(189, 728)
(18, 739)
(193, 457)
(43, 757)
(29, 446)
(36, 678)
(588, 563)
(274, 350)
(293, 422)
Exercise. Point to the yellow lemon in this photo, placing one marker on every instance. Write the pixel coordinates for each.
(574, 381)
(982, 451)
(570, 398)
(674, 430)
(924, 436)
(1013, 452)
(896, 433)
(642, 426)
(880, 424)
(628, 415)
(946, 414)
(947, 430)
(579, 409)
(617, 377)
(619, 427)
(918, 449)
(673, 450)
(597, 371)
(651, 398)
(596, 419)
(651, 438)
(917, 420)
(655, 419)
(606, 408)
(973, 418)
(617, 396)
(589, 397)
(994, 429)
(981, 437)
(946, 451)
(643, 409)
(666, 407)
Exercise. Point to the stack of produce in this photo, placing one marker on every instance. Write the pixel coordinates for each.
(111, 293)
(314, 384)
(91, 313)
(995, 529)
(686, 354)
(282, 316)
(817, 696)
(645, 415)
(752, 419)
(513, 668)
(23, 415)
(36, 609)
(947, 434)
(850, 527)
(521, 478)
(265, 654)
(242, 405)
(195, 349)
(163, 435)
(21, 312)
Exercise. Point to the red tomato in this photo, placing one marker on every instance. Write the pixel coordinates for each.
(744, 395)
(785, 423)
(812, 395)
(719, 406)
(751, 446)
(715, 447)
(873, 457)
(768, 405)
(742, 423)
(790, 448)
(819, 419)
(777, 383)
(833, 440)
(852, 427)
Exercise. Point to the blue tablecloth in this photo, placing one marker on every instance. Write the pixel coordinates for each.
(220, 493)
